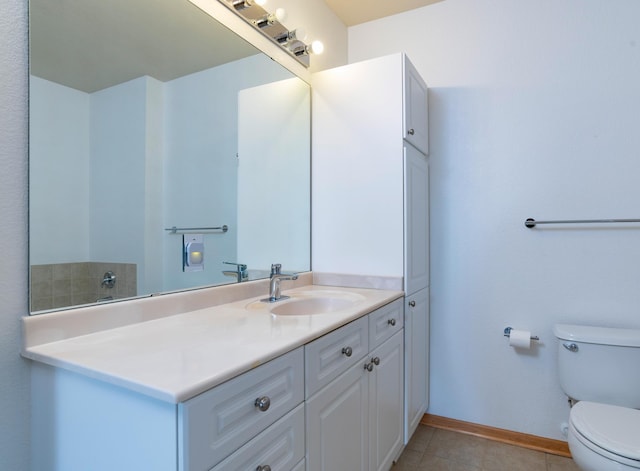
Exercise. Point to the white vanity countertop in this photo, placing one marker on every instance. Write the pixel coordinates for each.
(177, 357)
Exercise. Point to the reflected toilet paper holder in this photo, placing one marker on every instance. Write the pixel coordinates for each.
(507, 333)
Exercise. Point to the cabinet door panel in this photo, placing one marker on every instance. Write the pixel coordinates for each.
(416, 360)
(386, 404)
(416, 109)
(337, 424)
(416, 214)
(281, 446)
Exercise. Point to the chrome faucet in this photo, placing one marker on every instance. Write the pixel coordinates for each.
(274, 287)
(241, 271)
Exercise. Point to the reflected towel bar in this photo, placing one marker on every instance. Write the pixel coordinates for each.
(183, 230)
(532, 222)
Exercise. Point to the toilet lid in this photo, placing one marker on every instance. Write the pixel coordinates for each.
(613, 428)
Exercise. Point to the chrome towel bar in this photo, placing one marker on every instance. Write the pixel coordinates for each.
(183, 230)
(530, 223)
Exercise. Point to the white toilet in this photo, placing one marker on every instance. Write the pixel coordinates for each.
(600, 368)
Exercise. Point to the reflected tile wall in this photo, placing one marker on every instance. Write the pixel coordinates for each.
(59, 285)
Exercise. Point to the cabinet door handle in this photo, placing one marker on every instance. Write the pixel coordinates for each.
(375, 361)
(368, 367)
(411, 132)
(347, 351)
(266, 467)
(263, 403)
(412, 303)
(391, 322)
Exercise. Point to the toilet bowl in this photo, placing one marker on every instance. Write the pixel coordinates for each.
(603, 437)
(599, 369)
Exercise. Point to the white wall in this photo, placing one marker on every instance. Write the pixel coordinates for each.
(202, 164)
(14, 387)
(59, 148)
(274, 163)
(534, 113)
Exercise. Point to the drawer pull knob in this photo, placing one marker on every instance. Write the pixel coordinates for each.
(348, 351)
(375, 361)
(263, 403)
(391, 322)
(266, 467)
(411, 132)
(412, 303)
(368, 367)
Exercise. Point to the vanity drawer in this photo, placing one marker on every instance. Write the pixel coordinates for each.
(214, 424)
(281, 446)
(329, 356)
(385, 321)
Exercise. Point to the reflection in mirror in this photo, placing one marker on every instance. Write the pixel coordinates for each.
(147, 115)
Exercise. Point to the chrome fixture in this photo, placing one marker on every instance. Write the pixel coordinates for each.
(270, 24)
(241, 271)
(507, 333)
(298, 34)
(530, 223)
(108, 279)
(276, 269)
(186, 230)
(274, 288)
(242, 4)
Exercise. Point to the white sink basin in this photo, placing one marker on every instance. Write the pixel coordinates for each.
(311, 306)
(309, 303)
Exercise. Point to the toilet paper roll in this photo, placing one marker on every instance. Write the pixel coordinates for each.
(520, 338)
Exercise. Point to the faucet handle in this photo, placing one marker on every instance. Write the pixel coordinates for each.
(276, 269)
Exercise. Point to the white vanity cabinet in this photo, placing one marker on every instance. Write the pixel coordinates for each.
(83, 424)
(219, 421)
(355, 421)
(370, 181)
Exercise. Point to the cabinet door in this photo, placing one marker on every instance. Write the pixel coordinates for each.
(416, 214)
(386, 401)
(338, 424)
(416, 108)
(416, 344)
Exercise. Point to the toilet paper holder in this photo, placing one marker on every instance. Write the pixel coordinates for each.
(507, 333)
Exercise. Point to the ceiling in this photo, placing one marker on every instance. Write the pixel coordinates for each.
(353, 12)
(93, 44)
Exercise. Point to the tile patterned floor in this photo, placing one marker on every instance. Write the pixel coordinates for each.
(433, 449)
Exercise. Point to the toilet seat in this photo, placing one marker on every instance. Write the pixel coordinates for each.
(611, 431)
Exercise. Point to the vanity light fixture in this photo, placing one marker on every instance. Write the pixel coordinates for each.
(301, 49)
(298, 34)
(242, 4)
(270, 24)
(271, 18)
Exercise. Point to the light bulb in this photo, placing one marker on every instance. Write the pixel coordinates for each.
(317, 47)
(260, 2)
(281, 14)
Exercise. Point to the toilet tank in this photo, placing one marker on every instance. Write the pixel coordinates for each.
(599, 364)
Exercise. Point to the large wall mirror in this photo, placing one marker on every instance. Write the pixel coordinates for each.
(147, 115)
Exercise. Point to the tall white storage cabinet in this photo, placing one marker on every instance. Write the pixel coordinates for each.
(370, 193)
